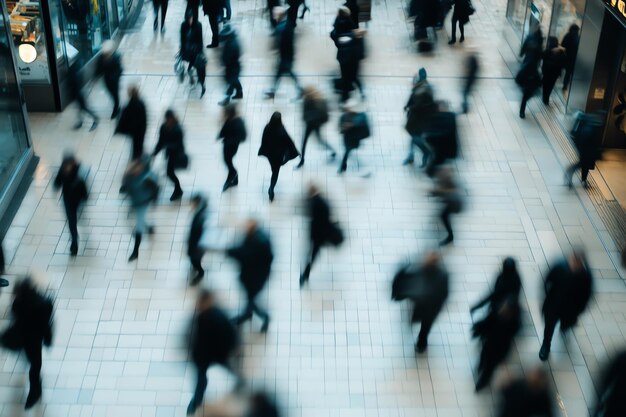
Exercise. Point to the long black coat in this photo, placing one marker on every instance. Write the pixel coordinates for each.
(214, 337)
(231, 54)
(425, 286)
(320, 225)
(613, 389)
(584, 135)
(442, 135)
(521, 400)
(497, 332)
(31, 321)
(567, 293)
(276, 145)
(461, 10)
(196, 230)
(570, 43)
(507, 285)
(74, 187)
(233, 132)
(354, 128)
(110, 68)
(284, 37)
(213, 7)
(170, 139)
(133, 120)
(255, 258)
(553, 63)
(190, 41)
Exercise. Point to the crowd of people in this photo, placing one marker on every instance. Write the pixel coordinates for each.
(431, 127)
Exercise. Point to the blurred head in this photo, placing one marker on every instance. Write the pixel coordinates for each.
(108, 48)
(310, 92)
(421, 74)
(23, 287)
(170, 117)
(552, 43)
(133, 91)
(445, 176)
(432, 259)
(197, 200)
(537, 379)
(279, 13)
(206, 300)
(443, 106)
(576, 260)
(137, 166)
(509, 266)
(343, 11)
(69, 163)
(251, 226)
(574, 29)
(230, 111)
(276, 118)
(312, 189)
(189, 16)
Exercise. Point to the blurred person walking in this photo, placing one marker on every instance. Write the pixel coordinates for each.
(199, 205)
(254, 256)
(419, 109)
(284, 39)
(568, 289)
(141, 185)
(109, 66)
(74, 192)
(610, 402)
(233, 133)
(442, 138)
(30, 328)
(315, 116)
(75, 88)
(214, 9)
(553, 62)
(133, 121)
(193, 6)
(472, 69)
(426, 286)
(449, 194)
(160, 5)
(278, 147)
(292, 10)
(191, 48)
(322, 229)
(570, 43)
(584, 134)
(528, 77)
(171, 140)
(355, 127)
(508, 284)
(461, 13)
(527, 396)
(343, 24)
(231, 53)
(350, 53)
(214, 341)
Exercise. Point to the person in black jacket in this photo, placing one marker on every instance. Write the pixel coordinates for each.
(75, 88)
(461, 15)
(322, 230)
(350, 53)
(233, 133)
(570, 43)
(528, 396)
(110, 67)
(284, 43)
(528, 77)
(442, 138)
(171, 139)
(231, 52)
(31, 327)
(254, 255)
(343, 24)
(553, 62)
(134, 121)
(191, 48)
(568, 288)
(160, 4)
(199, 205)
(193, 6)
(74, 194)
(508, 284)
(278, 147)
(472, 67)
(214, 341)
(612, 390)
(449, 194)
(354, 127)
(214, 9)
(584, 135)
(314, 115)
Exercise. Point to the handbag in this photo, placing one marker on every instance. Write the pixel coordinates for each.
(335, 234)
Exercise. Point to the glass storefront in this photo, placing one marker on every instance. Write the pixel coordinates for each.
(27, 29)
(516, 14)
(538, 14)
(566, 13)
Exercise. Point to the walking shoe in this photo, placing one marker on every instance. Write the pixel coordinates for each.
(269, 94)
(78, 125)
(297, 167)
(421, 345)
(522, 115)
(162, 29)
(270, 193)
(176, 195)
(238, 96)
(462, 38)
(212, 45)
(224, 102)
(203, 91)
(407, 161)
(196, 280)
(544, 352)
(265, 325)
(447, 240)
(133, 256)
(32, 399)
(74, 249)
(155, 26)
(192, 407)
(452, 41)
(150, 230)
(94, 125)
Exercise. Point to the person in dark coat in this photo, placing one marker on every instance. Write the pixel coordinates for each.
(141, 185)
(233, 133)
(134, 121)
(278, 147)
(570, 43)
(426, 286)
(568, 288)
(585, 136)
(75, 87)
(162, 5)
(441, 138)
(254, 255)
(199, 205)
(419, 109)
(214, 341)
(109, 66)
(426, 14)
(213, 9)
(508, 284)
(231, 53)
(191, 48)
(271, 5)
(553, 62)
(350, 53)
(612, 390)
(193, 6)
(528, 396)
(284, 39)
(496, 332)
(449, 194)
(30, 328)
(322, 230)
(171, 140)
(354, 127)
(74, 192)
(528, 77)
(343, 24)
(355, 10)
(292, 10)
(460, 14)
(472, 68)
(314, 115)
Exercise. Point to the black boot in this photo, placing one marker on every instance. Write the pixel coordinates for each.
(34, 396)
(135, 253)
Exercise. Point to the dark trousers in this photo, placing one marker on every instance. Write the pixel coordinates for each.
(214, 24)
(113, 87)
(83, 107)
(548, 86)
(286, 68)
(315, 250)
(229, 153)
(344, 160)
(427, 323)
(275, 171)
(234, 85)
(33, 354)
(569, 69)
(137, 147)
(455, 19)
(200, 69)
(194, 11)
(445, 219)
(307, 132)
(171, 174)
(228, 8)
(467, 90)
(160, 4)
(71, 212)
(526, 95)
(569, 172)
(202, 381)
(195, 257)
(548, 331)
(292, 12)
(252, 308)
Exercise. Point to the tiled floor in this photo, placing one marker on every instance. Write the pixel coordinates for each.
(340, 347)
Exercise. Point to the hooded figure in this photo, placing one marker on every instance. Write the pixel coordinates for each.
(568, 288)
(231, 52)
(109, 66)
(254, 255)
(613, 389)
(419, 109)
(355, 127)
(233, 133)
(134, 121)
(426, 286)
(199, 205)
(278, 147)
(74, 192)
(315, 115)
(554, 60)
(528, 396)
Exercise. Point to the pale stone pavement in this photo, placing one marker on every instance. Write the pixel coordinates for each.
(339, 347)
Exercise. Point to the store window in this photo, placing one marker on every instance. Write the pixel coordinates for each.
(13, 136)
(538, 15)
(27, 30)
(516, 14)
(85, 28)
